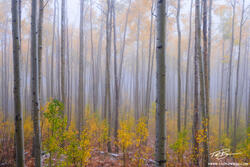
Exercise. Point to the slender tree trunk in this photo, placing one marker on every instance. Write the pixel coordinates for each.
(244, 82)
(187, 69)
(20, 24)
(93, 61)
(7, 80)
(179, 68)
(40, 45)
(3, 79)
(221, 93)
(248, 93)
(160, 154)
(136, 92)
(107, 109)
(237, 81)
(123, 44)
(34, 87)
(52, 51)
(68, 70)
(19, 140)
(116, 80)
(63, 52)
(47, 66)
(149, 65)
(20, 44)
(99, 64)
(152, 63)
(209, 37)
(201, 77)
(122, 55)
(248, 111)
(195, 129)
(81, 90)
(71, 84)
(58, 63)
(26, 83)
(230, 71)
(40, 51)
(5, 72)
(205, 60)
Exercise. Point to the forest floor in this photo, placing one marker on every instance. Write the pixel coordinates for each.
(98, 158)
(101, 158)
(105, 159)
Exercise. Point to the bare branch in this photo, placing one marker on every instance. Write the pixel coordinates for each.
(45, 4)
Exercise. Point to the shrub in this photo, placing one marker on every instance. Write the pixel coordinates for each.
(141, 135)
(77, 151)
(180, 145)
(125, 138)
(57, 126)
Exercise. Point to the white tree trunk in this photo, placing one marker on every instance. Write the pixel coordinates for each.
(230, 71)
(63, 52)
(195, 148)
(188, 62)
(40, 45)
(179, 69)
(34, 86)
(17, 101)
(160, 155)
(81, 90)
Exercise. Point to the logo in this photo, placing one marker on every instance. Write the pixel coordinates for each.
(222, 154)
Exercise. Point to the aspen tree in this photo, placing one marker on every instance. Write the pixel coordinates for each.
(19, 140)
(230, 71)
(81, 89)
(35, 86)
(179, 68)
(188, 62)
(160, 154)
(195, 149)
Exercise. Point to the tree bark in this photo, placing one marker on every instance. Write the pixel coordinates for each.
(5, 72)
(209, 37)
(19, 139)
(116, 80)
(221, 92)
(136, 92)
(40, 45)
(179, 68)
(230, 71)
(195, 149)
(52, 52)
(34, 86)
(26, 84)
(107, 109)
(160, 154)
(149, 65)
(188, 60)
(63, 52)
(99, 64)
(58, 54)
(206, 97)
(81, 89)
(68, 71)
(94, 95)
(248, 110)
